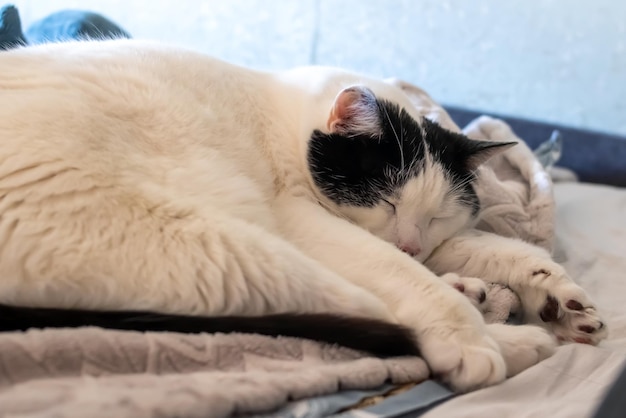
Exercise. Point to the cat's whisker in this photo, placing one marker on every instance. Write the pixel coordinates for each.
(461, 185)
(398, 140)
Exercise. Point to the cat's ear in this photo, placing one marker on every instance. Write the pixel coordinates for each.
(355, 111)
(481, 151)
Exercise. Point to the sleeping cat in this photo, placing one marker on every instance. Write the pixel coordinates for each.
(137, 176)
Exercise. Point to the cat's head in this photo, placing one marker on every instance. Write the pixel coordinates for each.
(409, 182)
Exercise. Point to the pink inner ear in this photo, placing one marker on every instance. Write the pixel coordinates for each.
(341, 110)
(352, 106)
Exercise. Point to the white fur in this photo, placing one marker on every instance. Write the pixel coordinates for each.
(135, 175)
(530, 272)
(425, 214)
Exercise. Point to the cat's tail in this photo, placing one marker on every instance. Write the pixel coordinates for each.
(376, 337)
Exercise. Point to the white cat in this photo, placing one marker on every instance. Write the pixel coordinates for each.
(140, 176)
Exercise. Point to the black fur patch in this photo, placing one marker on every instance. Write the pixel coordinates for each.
(379, 338)
(361, 169)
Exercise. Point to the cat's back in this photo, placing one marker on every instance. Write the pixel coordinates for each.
(153, 96)
(149, 118)
(115, 106)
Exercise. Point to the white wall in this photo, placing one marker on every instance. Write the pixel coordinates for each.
(557, 60)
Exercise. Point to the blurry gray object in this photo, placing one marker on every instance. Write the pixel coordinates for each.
(548, 153)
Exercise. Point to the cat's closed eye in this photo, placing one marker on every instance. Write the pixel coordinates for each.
(437, 219)
(390, 206)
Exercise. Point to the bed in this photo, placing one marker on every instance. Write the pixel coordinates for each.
(99, 373)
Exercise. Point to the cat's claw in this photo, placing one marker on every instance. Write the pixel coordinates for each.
(562, 307)
(473, 288)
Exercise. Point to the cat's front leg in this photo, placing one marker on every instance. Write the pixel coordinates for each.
(549, 296)
(452, 335)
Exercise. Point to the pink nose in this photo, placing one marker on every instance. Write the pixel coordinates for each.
(411, 250)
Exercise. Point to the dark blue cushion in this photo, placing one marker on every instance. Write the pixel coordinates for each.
(73, 24)
(594, 156)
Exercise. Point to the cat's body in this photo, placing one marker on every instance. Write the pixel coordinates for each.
(139, 176)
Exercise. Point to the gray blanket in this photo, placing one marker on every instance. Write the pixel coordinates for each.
(93, 372)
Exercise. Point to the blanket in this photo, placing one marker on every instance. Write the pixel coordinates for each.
(66, 372)
(514, 189)
(129, 374)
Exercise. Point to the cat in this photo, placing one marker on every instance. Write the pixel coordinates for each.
(139, 176)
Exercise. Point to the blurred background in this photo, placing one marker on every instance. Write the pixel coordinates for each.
(558, 61)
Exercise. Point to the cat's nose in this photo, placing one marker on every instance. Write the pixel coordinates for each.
(412, 250)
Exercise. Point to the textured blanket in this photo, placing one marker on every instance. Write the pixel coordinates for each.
(97, 373)
(515, 190)
(93, 372)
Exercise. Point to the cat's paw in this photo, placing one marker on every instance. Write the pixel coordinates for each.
(474, 289)
(572, 318)
(464, 359)
(522, 346)
(554, 301)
